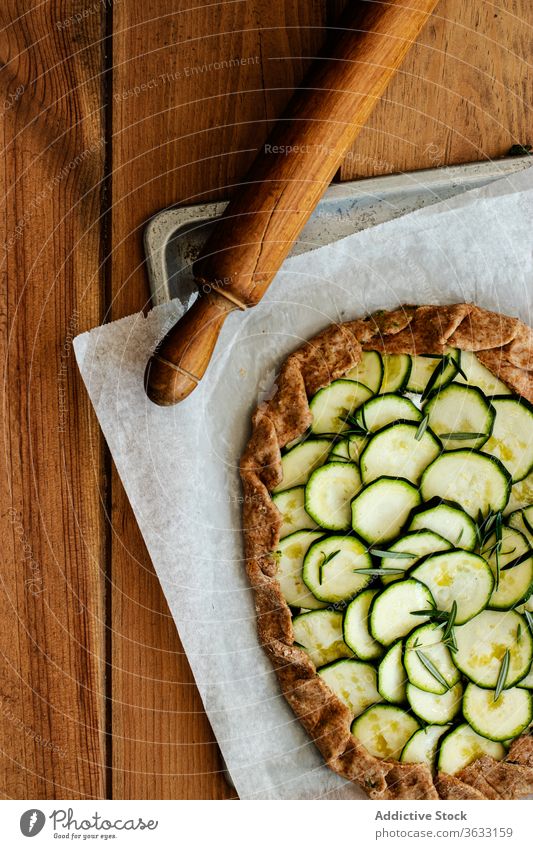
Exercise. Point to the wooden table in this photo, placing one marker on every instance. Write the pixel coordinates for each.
(113, 109)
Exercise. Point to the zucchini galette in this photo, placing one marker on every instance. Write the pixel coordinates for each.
(388, 518)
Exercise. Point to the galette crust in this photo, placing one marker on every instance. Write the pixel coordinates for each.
(505, 346)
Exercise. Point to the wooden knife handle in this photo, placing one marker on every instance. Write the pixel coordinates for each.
(286, 181)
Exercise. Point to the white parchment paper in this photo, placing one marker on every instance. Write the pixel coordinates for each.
(179, 465)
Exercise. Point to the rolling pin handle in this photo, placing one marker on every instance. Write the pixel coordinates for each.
(180, 360)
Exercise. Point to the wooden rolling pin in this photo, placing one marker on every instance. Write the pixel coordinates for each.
(285, 183)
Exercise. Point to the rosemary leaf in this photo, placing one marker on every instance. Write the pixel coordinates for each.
(383, 570)
(502, 674)
(451, 621)
(432, 669)
(422, 427)
(394, 555)
(438, 372)
(517, 561)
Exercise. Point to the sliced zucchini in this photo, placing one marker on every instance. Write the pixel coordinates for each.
(461, 746)
(396, 371)
(527, 681)
(291, 505)
(422, 369)
(390, 613)
(437, 710)
(399, 451)
(447, 520)
(392, 679)
(521, 494)
(478, 375)
(497, 719)
(381, 509)
(417, 543)
(331, 405)
(356, 633)
(329, 493)
(457, 576)
(320, 634)
(460, 410)
(514, 584)
(368, 371)
(298, 463)
(425, 644)
(384, 730)
(385, 409)
(348, 450)
(522, 520)
(422, 747)
(353, 682)
(289, 556)
(477, 481)
(329, 568)
(512, 436)
(482, 644)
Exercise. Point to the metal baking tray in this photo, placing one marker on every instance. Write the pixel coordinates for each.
(174, 237)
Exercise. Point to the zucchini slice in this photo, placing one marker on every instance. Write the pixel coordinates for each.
(319, 633)
(462, 745)
(329, 493)
(527, 681)
(417, 543)
(483, 641)
(331, 405)
(478, 375)
(513, 585)
(390, 613)
(434, 709)
(290, 555)
(499, 719)
(399, 451)
(381, 509)
(425, 643)
(298, 463)
(356, 633)
(521, 494)
(392, 679)
(512, 436)
(329, 568)
(477, 481)
(291, 505)
(522, 520)
(348, 450)
(385, 409)
(384, 730)
(396, 371)
(459, 409)
(447, 520)
(422, 747)
(460, 576)
(422, 369)
(353, 682)
(368, 371)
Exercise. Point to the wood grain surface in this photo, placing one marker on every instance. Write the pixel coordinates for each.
(96, 695)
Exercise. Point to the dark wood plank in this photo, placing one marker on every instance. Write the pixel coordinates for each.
(465, 92)
(52, 713)
(209, 83)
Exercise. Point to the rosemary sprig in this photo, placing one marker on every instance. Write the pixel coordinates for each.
(459, 538)
(432, 613)
(394, 555)
(422, 427)
(502, 674)
(518, 633)
(327, 559)
(432, 669)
